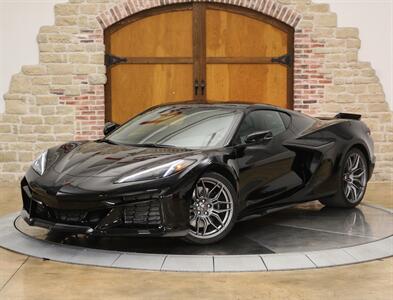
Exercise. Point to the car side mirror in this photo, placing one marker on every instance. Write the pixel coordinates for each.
(109, 127)
(259, 136)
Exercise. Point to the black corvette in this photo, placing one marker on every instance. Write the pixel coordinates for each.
(193, 170)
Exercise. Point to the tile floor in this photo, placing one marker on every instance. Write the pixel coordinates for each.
(23, 277)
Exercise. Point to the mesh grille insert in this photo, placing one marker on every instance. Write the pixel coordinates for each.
(145, 213)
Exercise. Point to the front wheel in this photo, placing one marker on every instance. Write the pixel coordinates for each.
(213, 209)
(352, 183)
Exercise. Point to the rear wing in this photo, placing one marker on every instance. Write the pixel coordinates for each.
(348, 116)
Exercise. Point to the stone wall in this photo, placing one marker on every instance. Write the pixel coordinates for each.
(62, 97)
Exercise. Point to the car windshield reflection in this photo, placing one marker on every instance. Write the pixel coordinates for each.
(179, 126)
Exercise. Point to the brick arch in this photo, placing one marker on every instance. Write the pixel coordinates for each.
(268, 7)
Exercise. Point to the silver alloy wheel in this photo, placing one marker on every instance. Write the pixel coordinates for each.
(211, 208)
(355, 177)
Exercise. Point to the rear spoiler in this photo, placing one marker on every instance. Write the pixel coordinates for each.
(348, 116)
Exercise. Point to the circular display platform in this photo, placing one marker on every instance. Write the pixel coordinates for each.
(306, 236)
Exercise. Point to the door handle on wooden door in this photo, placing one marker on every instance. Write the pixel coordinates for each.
(203, 85)
(196, 87)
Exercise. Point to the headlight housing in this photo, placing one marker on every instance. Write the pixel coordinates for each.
(155, 172)
(40, 163)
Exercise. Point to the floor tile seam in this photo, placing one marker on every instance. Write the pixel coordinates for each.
(13, 275)
(163, 262)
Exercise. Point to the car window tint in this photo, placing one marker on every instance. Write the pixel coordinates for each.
(286, 119)
(210, 132)
(261, 120)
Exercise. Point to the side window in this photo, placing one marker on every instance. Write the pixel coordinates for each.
(261, 120)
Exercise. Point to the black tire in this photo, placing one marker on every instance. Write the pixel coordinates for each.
(341, 198)
(228, 191)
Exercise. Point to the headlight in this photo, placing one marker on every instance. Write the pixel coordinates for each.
(40, 163)
(161, 171)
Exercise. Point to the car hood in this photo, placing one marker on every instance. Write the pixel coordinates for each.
(106, 160)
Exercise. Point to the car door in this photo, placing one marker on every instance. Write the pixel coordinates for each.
(264, 167)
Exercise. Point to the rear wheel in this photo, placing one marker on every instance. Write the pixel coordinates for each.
(352, 183)
(213, 209)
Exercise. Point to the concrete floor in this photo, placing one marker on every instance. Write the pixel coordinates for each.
(24, 277)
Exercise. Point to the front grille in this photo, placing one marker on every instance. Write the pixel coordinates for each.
(145, 213)
(78, 216)
(70, 216)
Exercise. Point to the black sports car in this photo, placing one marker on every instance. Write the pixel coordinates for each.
(193, 170)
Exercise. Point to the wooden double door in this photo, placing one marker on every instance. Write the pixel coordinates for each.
(196, 52)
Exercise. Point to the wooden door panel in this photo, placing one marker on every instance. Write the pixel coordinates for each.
(138, 87)
(257, 83)
(160, 55)
(163, 35)
(234, 35)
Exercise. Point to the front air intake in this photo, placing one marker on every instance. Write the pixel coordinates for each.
(143, 213)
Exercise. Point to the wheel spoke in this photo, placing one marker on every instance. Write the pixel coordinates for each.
(358, 173)
(351, 196)
(216, 197)
(197, 225)
(204, 189)
(347, 190)
(358, 183)
(212, 189)
(206, 225)
(221, 210)
(356, 163)
(217, 217)
(220, 202)
(197, 192)
(349, 164)
(212, 223)
(355, 194)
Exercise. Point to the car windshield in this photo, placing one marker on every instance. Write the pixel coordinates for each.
(179, 126)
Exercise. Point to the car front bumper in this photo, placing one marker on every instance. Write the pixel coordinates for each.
(140, 213)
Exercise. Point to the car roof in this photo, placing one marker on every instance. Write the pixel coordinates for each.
(231, 104)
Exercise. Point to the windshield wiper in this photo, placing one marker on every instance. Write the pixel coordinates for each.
(147, 145)
(153, 145)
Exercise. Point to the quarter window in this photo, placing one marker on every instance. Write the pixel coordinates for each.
(286, 119)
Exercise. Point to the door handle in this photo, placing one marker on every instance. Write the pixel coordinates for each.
(268, 137)
(203, 85)
(196, 87)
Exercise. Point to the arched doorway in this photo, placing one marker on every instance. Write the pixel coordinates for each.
(197, 51)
